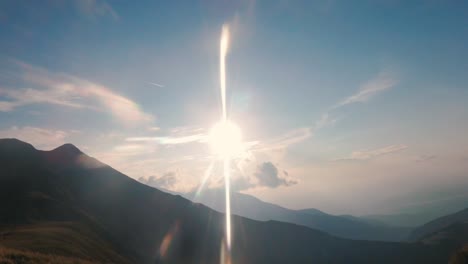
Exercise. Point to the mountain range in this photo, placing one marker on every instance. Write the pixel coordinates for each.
(342, 226)
(65, 204)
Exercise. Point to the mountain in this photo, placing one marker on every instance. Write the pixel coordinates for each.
(404, 219)
(439, 224)
(65, 204)
(342, 226)
(449, 238)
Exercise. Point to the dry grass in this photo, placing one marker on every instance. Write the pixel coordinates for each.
(56, 239)
(461, 257)
(13, 256)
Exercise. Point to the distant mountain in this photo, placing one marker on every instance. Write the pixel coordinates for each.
(439, 224)
(403, 219)
(342, 226)
(63, 203)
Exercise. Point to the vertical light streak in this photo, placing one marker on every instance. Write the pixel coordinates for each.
(228, 202)
(224, 44)
(223, 49)
(205, 178)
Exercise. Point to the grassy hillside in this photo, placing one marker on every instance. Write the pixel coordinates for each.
(460, 257)
(14, 256)
(60, 239)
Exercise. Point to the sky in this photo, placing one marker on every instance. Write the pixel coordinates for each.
(351, 107)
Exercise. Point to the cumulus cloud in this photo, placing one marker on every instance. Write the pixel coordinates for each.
(69, 91)
(370, 154)
(267, 175)
(380, 83)
(166, 181)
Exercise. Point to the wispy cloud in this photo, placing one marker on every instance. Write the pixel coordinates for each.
(154, 128)
(70, 91)
(383, 81)
(156, 84)
(175, 136)
(95, 8)
(324, 121)
(170, 140)
(290, 138)
(426, 157)
(373, 153)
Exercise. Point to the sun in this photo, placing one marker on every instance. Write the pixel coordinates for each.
(226, 139)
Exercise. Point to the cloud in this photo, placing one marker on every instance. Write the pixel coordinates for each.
(166, 181)
(426, 157)
(38, 137)
(127, 150)
(324, 121)
(171, 140)
(156, 84)
(96, 8)
(383, 81)
(370, 154)
(267, 175)
(170, 180)
(290, 138)
(69, 91)
(177, 136)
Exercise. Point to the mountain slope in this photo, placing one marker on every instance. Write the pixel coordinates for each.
(50, 194)
(439, 224)
(342, 226)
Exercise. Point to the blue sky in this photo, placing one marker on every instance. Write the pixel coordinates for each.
(347, 106)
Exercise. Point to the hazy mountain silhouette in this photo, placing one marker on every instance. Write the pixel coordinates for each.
(65, 203)
(342, 226)
(415, 219)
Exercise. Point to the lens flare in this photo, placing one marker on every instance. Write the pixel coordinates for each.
(226, 140)
(224, 132)
(224, 45)
(205, 178)
(228, 202)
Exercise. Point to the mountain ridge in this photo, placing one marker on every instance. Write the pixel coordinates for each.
(139, 224)
(439, 224)
(341, 226)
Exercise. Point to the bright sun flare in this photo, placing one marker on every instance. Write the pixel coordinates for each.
(226, 139)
